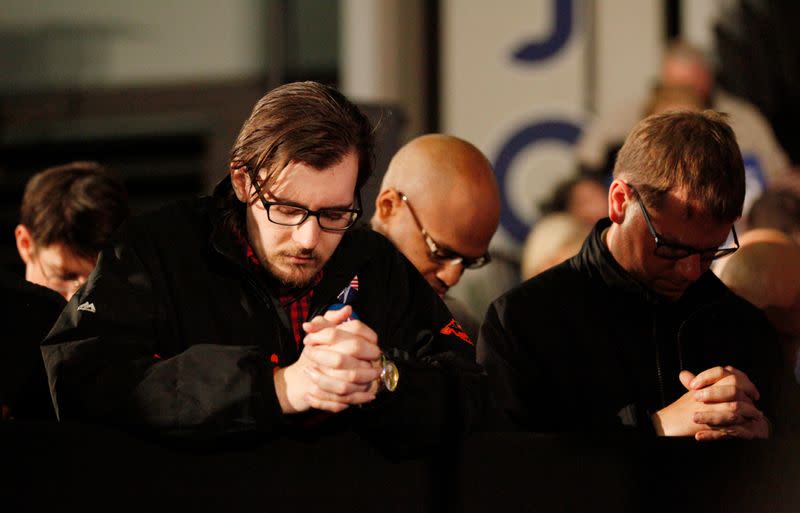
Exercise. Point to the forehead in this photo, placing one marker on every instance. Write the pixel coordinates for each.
(457, 220)
(317, 188)
(681, 219)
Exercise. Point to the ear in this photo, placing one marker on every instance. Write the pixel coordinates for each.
(618, 201)
(386, 204)
(240, 181)
(25, 245)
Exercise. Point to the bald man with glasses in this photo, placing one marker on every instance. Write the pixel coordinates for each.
(439, 204)
(635, 332)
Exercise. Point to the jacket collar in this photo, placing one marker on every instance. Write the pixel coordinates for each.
(224, 239)
(596, 259)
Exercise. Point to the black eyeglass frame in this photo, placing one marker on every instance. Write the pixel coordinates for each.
(354, 212)
(435, 250)
(681, 251)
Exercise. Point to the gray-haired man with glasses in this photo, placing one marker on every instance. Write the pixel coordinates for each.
(259, 309)
(635, 331)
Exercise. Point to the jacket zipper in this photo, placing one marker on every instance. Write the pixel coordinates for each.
(270, 307)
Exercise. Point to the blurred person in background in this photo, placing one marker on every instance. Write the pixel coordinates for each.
(583, 197)
(67, 215)
(683, 66)
(676, 97)
(439, 204)
(553, 239)
(778, 209)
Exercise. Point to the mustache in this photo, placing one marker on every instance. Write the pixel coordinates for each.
(300, 253)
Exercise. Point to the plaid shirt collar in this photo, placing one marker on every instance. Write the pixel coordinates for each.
(296, 301)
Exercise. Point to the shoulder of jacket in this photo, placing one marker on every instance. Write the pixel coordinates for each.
(365, 244)
(546, 290)
(173, 223)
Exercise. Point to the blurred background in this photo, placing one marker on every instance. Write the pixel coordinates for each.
(157, 89)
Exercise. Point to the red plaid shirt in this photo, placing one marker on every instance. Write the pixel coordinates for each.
(296, 302)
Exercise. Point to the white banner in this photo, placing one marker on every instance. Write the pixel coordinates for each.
(519, 78)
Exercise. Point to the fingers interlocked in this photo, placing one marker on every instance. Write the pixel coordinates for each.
(342, 358)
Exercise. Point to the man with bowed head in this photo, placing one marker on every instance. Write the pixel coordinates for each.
(67, 215)
(440, 205)
(259, 309)
(635, 331)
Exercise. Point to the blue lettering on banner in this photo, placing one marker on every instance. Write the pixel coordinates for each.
(546, 130)
(538, 131)
(544, 49)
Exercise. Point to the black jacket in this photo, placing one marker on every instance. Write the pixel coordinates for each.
(174, 331)
(584, 346)
(28, 313)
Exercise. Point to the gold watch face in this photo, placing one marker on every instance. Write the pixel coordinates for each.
(389, 375)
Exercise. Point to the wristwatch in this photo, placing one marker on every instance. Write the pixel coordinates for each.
(389, 374)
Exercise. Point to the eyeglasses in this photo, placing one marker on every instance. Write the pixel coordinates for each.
(674, 251)
(329, 219)
(441, 254)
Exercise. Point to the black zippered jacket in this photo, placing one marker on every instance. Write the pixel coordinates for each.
(585, 347)
(29, 311)
(175, 332)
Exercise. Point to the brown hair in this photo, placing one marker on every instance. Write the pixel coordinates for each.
(79, 204)
(682, 149)
(307, 122)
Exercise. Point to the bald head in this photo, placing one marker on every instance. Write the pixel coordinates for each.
(434, 164)
(450, 186)
(767, 273)
(756, 235)
(742, 271)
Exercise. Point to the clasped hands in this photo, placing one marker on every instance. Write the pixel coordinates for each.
(339, 366)
(719, 403)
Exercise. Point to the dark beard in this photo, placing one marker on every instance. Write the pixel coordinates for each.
(294, 283)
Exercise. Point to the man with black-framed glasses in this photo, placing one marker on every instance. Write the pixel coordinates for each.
(439, 204)
(260, 309)
(635, 331)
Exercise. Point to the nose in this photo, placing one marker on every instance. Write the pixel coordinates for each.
(690, 267)
(307, 234)
(450, 273)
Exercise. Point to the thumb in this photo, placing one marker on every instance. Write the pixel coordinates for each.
(330, 319)
(685, 378)
(340, 315)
